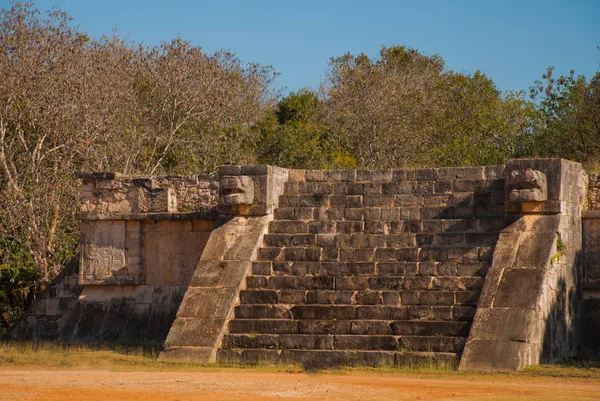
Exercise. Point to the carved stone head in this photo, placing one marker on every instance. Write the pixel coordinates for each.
(236, 194)
(528, 185)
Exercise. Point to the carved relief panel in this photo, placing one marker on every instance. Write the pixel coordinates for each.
(104, 256)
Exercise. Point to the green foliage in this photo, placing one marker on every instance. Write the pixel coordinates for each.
(568, 123)
(19, 282)
(480, 126)
(407, 109)
(294, 136)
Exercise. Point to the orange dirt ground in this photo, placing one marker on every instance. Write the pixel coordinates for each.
(232, 384)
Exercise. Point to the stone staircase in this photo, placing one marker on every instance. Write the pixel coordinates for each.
(369, 268)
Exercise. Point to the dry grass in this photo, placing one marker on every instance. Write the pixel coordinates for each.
(78, 357)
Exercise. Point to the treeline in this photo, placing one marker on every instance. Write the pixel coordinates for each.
(69, 102)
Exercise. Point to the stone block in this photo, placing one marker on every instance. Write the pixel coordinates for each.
(375, 227)
(294, 213)
(324, 326)
(262, 312)
(322, 227)
(269, 254)
(410, 297)
(535, 249)
(292, 296)
(256, 282)
(370, 327)
(346, 227)
(289, 201)
(220, 273)
(472, 269)
(288, 227)
(258, 297)
(386, 283)
(355, 214)
(250, 341)
(329, 297)
(368, 298)
(372, 189)
(391, 297)
(367, 342)
(463, 313)
(492, 355)
(306, 341)
(207, 303)
(437, 298)
(382, 312)
(315, 188)
(466, 297)
(417, 283)
(194, 332)
(444, 283)
(314, 175)
(519, 288)
(283, 282)
(354, 201)
(351, 283)
(324, 312)
(397, 268)
(378, 201)
(330, 253)
(430, 328)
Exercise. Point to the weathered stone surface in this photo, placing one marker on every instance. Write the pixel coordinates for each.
(355, 266)
(532, 281)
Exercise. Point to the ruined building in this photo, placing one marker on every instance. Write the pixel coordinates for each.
(491, 268)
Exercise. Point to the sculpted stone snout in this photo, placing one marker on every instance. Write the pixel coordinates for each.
(236, 193)
(528, 185)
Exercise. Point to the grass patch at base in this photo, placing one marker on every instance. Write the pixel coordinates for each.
(51, 355)
(26, 355)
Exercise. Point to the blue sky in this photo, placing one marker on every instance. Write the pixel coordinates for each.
(511, 41)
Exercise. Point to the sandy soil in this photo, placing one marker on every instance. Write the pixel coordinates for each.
(92, 385)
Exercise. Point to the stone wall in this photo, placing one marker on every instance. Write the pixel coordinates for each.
(369, 267)
(141, 239)
(529, 308)
(352, 266)
(248, 196)
(590, 286)
(590, 313)
(109, 192)
(137, 303)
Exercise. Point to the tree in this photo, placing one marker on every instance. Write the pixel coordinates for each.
(569, 117)
(407, 109)
(295, 136)
(70, 103)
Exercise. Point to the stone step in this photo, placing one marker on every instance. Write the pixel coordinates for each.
(362, 327)
(392, 214)
(470, 228)
(322, 359)
(365, 297)
(361, 240)
(325, 268)
(399, 175)
(397, 207)
(345, 342)
(366, 282)
(428, 188)
(433, 253)
(355, 312)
